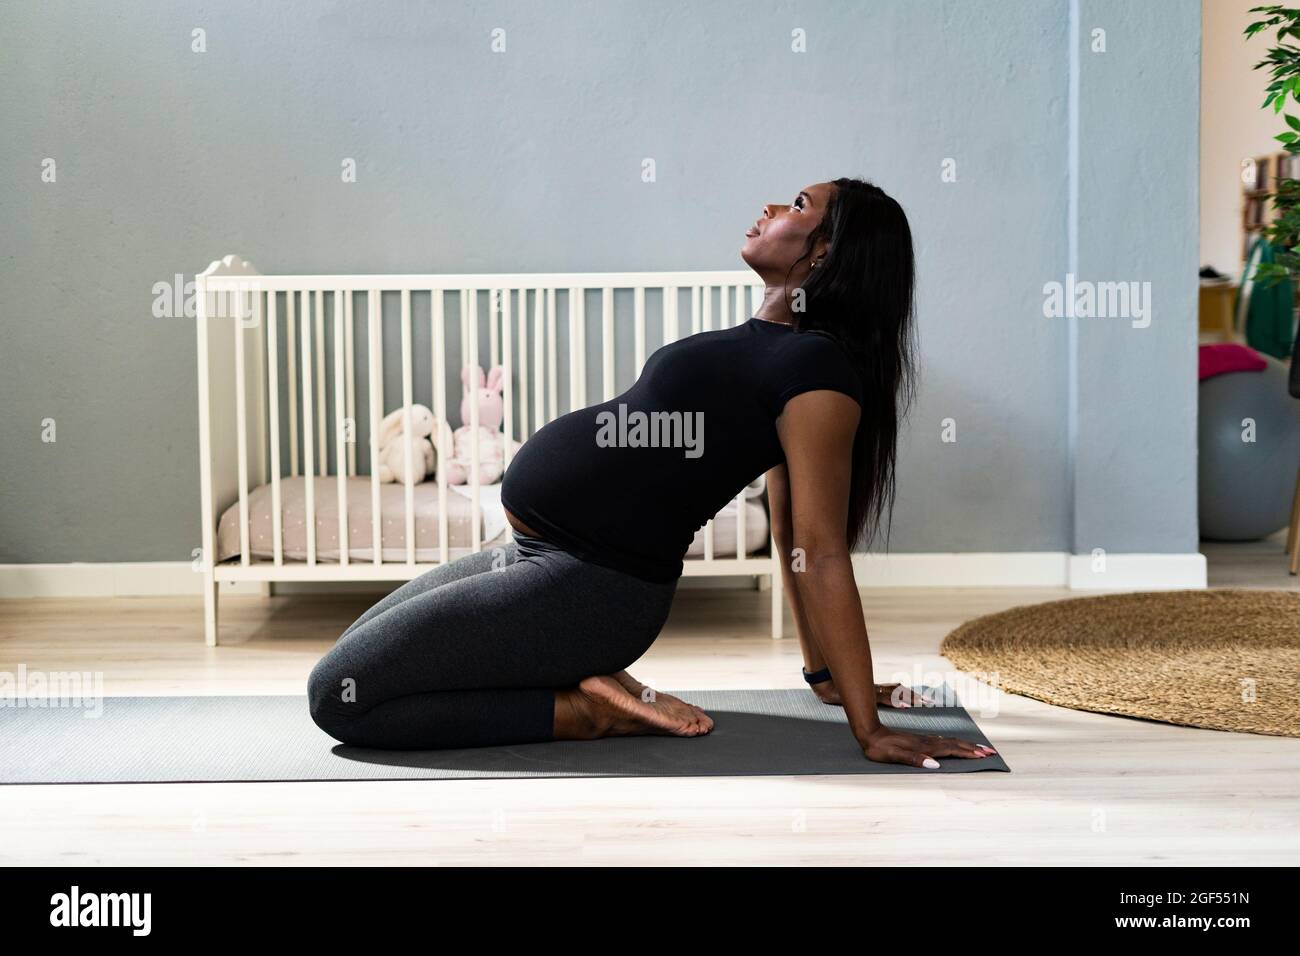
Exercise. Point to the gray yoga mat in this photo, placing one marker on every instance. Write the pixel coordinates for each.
(213, 739)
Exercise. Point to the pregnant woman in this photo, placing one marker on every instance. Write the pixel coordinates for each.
(530, 642)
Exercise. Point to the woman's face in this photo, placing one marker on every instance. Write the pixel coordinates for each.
(778, 238)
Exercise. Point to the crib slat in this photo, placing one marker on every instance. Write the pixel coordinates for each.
(736, 295)
(465, 373)
(375, 336)
(291, 353)
(742, 507)
(465, 296)
(670, 315)
(442, 442)
(308, 432)
(539, 348)
(576, 364)
(494, 341)
(470, 305)
(703, 323)
(552, 363)
(507, 381)
(695, 309)
(708, 539)
(464, 332)
(241, 422)
(778, 590)
(323, 457)
(261, 463)
(273, 415)
(523, 364)
(408, 430)
(340, 425)
(581, 300)
(607, 341)
(742, 544)
(349, 360)
(638, 328)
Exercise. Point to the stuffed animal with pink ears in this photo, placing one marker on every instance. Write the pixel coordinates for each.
(487, 392)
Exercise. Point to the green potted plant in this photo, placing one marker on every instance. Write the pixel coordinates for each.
(1269, 328)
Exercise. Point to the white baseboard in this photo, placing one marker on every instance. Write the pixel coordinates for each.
(1123, 572)
(1080, 572)
(992, 569)
(108, 579)
(1137, 572)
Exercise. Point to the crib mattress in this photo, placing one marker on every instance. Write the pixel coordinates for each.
(392, 509)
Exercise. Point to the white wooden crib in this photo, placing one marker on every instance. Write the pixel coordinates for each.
(262, 345)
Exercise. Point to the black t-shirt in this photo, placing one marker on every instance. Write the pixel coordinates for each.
(627, 483)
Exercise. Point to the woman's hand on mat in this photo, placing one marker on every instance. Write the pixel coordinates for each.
(896, 695)
(898, 746)
(887, 695)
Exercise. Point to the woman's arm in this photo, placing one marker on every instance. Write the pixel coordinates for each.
(778, 500)
(816, 430)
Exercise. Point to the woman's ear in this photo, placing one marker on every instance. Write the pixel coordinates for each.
(820, 250)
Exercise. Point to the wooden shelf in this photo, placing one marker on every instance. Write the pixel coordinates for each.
(1257, 208)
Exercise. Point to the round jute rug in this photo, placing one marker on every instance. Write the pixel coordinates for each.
(1224, 659)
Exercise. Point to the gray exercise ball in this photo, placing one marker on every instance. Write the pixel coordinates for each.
(1245, 487)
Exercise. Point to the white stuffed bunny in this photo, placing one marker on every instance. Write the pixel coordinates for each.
(392, 451)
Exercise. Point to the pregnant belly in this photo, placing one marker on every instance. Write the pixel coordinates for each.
(521, 527)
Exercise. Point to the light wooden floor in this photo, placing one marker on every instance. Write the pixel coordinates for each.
(1086, 788)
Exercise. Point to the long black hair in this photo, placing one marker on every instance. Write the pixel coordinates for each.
(862, 294)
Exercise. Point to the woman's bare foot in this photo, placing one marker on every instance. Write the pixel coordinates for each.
(667, 703)
(602, 707)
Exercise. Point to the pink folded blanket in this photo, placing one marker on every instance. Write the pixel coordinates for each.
(1223, 357)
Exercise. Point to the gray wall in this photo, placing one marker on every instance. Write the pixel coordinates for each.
(530, 161)
(1138, 181)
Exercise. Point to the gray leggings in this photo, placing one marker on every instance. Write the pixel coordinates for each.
(470, 653)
